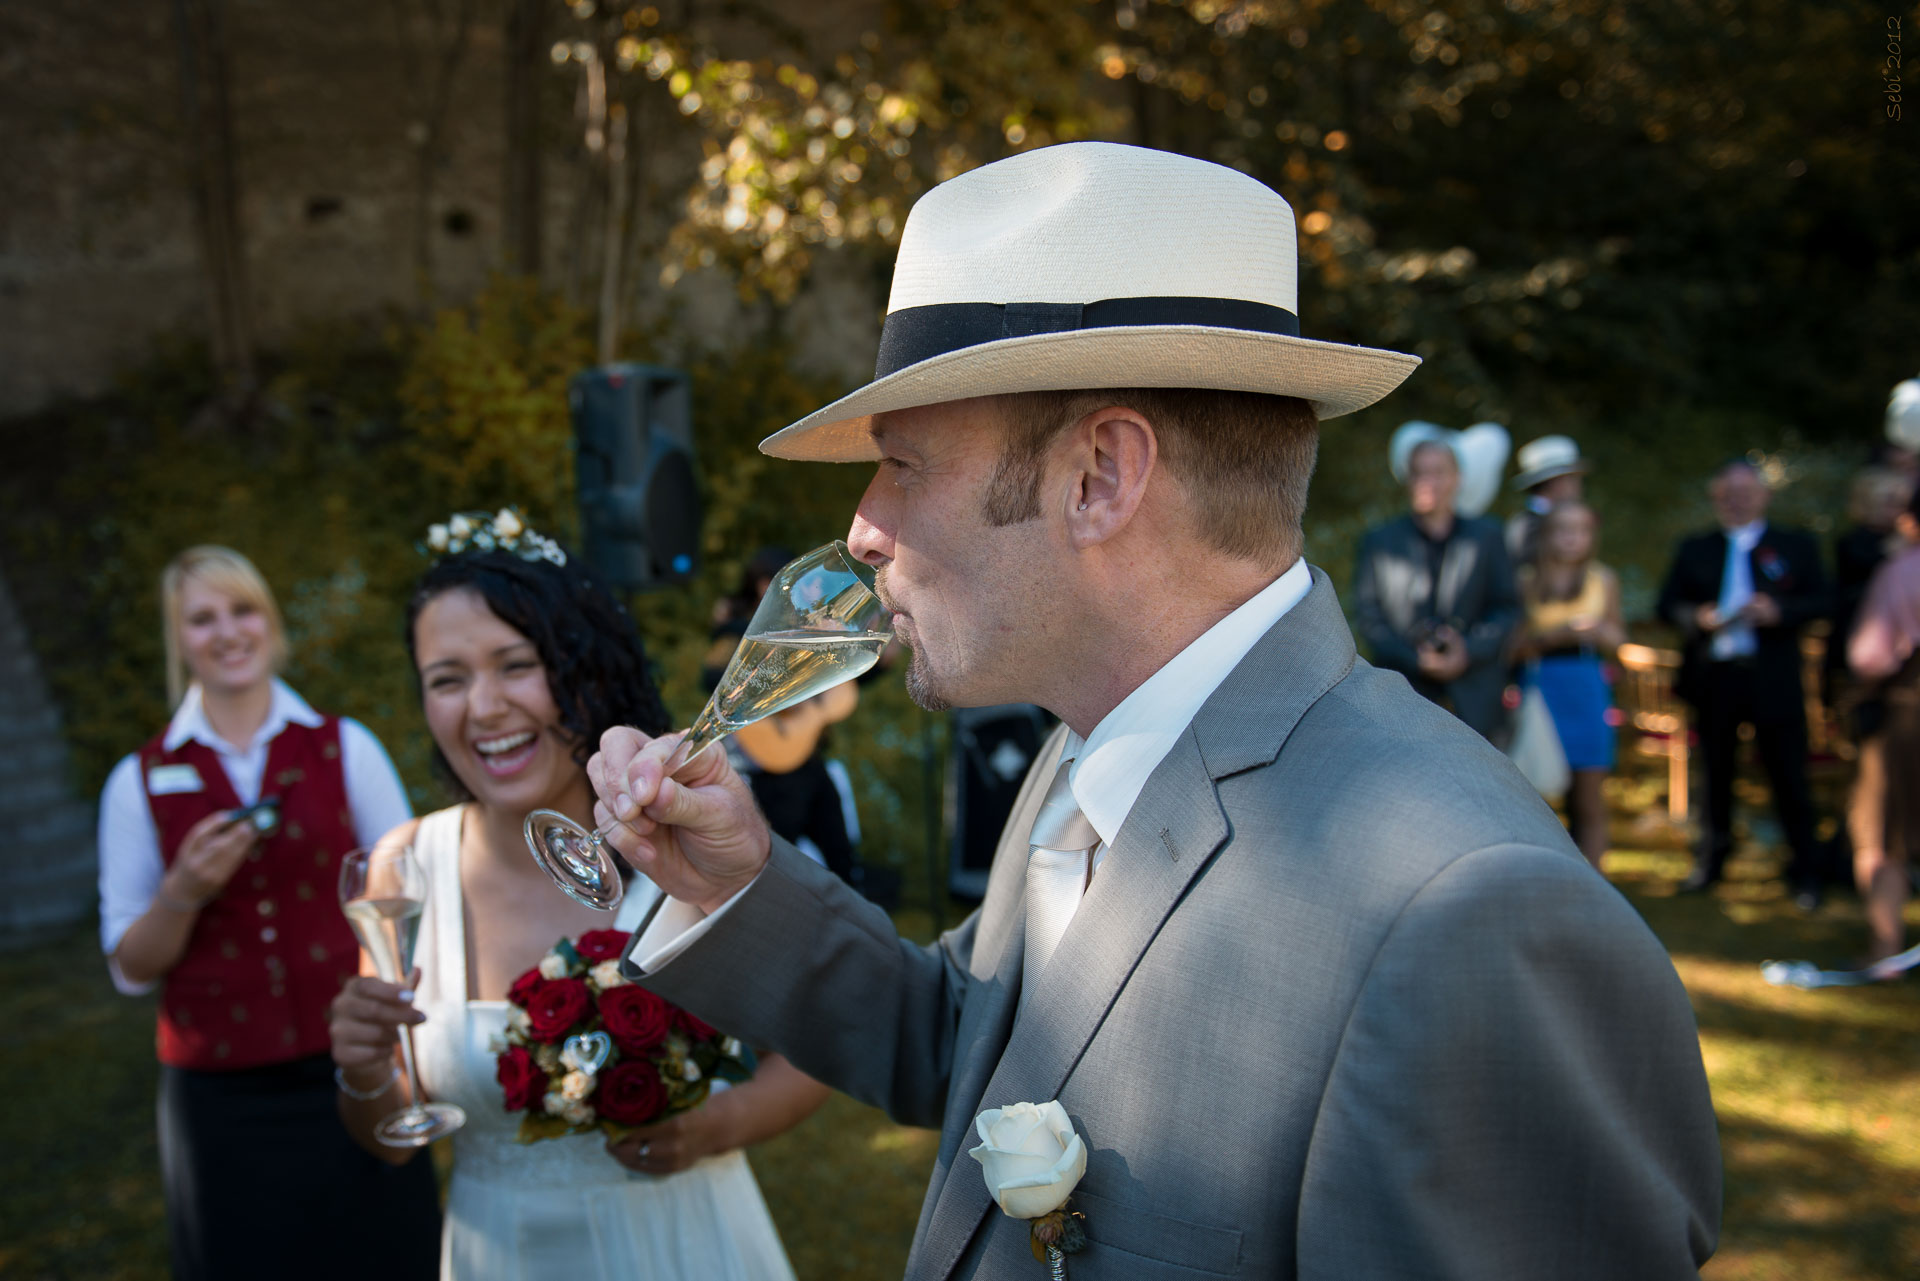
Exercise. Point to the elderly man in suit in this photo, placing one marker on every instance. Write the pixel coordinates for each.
(1740, 596)
(1320, 983)
(1434, 595)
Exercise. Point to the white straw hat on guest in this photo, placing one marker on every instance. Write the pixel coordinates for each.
(1543, 459)
(1094, 265)
(1903, 414)
(1480, 451)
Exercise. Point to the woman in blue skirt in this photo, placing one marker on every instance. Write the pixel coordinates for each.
(1573, 626)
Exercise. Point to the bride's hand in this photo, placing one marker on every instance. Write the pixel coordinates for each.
(697, 835)
(364, 1021)
(671, 1145)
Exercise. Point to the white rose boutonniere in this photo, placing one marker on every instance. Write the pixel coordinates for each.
(1032, 1160)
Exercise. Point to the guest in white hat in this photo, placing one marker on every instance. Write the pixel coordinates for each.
(1434, 594)
(1551, 471)
(1312, 981)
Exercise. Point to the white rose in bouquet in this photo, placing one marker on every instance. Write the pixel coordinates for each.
(553, 966)
(1030, 1156)
(607, 975)
(576, 1085)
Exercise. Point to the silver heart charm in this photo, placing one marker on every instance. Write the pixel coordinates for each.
(588, 1050)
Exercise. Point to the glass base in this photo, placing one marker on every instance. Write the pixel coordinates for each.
(416, 1127)
(576, 859)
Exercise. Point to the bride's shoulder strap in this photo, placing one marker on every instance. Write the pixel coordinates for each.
(436, 843)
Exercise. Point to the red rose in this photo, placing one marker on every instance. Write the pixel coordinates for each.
(555, 1006)
(630, 1093)
(524, 987)
(596, 946)
(636, 1019)
(698, 1029)
(525, 1084)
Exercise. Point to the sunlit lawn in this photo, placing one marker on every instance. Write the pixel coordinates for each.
(1818, 1095)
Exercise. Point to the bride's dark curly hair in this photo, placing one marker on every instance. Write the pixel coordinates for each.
(596, 667)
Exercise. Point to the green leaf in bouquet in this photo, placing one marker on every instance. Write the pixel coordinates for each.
(538, 1126)
(565, 950)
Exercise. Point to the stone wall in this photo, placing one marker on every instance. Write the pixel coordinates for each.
(98, 253)
(46, 862)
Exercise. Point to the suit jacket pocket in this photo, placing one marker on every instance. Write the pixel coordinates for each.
(1180, 1247)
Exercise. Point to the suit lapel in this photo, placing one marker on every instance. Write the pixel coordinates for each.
(1455, 565)
(1172, 831)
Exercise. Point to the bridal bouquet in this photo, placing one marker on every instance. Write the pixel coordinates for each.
(586, 1050)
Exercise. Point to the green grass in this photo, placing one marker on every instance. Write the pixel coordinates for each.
(1818, 1095)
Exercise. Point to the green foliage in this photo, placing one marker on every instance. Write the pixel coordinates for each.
(485, 400)
(374, 434)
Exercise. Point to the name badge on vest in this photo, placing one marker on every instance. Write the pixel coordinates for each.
(171, 780)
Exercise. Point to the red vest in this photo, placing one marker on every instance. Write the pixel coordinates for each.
(271, 950)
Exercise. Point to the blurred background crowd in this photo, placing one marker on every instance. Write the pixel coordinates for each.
(301, 279)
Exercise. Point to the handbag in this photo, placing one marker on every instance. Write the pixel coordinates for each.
(1536, 749)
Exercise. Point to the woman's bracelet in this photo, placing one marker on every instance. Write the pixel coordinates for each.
(340, 1079)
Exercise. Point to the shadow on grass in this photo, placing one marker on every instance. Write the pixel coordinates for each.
(1803, 1206)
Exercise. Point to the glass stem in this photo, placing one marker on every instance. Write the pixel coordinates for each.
(705, 732)
(413, 1076)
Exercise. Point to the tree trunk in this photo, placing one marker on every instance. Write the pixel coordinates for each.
(521, 188)
(212, 173)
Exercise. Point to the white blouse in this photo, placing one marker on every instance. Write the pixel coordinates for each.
(129, 843)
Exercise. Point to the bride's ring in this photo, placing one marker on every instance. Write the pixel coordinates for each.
(644, 1149)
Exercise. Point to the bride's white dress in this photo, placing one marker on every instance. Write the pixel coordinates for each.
(561, 1210)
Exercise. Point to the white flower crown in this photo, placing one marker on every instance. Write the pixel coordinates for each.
(502, 531)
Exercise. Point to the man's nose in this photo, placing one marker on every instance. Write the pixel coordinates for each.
(871, 535)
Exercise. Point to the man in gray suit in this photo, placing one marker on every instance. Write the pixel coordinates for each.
(1321, 983)
(1434, 596)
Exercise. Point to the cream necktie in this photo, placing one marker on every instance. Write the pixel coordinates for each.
(1059, 851)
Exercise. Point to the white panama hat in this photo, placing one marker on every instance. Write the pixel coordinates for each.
(1480, 451)
(1903, 414)
(1543, 459)
(1093, 265)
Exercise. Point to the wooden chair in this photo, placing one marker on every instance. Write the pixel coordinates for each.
(1659, 720)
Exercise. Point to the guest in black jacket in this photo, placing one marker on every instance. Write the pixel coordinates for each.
(1434, 595)
(1740, 595)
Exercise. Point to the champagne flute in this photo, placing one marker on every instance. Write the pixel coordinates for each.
(383, 892)
(819, 625)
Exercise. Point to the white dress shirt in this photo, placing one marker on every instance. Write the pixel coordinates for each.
(1737, 640)
(130, 864)
(1111, 764)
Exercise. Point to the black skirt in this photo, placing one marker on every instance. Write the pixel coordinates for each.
(262, 1180)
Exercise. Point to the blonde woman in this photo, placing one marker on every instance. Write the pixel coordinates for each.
(220, 843)
(1572, 627)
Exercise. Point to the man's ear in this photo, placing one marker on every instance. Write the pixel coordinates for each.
(1111, 455)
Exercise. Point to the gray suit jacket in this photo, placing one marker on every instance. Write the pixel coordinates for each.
(1476, 594)
(1342, 1002)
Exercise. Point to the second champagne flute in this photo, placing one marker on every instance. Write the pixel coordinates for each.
(819, 625)
(383, 893)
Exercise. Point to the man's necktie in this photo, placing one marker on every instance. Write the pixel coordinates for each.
(1060, 848)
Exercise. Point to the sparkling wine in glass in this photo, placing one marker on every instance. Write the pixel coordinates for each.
(819, 625)
(383, 893)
